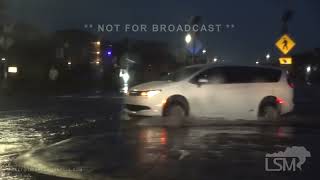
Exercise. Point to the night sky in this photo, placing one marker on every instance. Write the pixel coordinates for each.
(257, 22)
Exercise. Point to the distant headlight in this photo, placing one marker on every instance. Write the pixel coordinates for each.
(150, 93)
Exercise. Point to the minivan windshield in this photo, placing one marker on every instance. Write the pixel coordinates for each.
(181, 74)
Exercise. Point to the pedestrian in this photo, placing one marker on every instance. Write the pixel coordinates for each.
(53, 77)
(285, 44)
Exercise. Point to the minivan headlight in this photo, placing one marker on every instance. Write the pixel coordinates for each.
(150, 93)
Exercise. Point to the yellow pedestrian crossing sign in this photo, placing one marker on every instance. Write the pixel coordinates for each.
(285, 44)
(285, 60)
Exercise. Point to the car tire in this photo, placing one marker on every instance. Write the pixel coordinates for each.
(270, 113)
(175, 115)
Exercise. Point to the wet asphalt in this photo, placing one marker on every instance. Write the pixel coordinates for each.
(215, 150)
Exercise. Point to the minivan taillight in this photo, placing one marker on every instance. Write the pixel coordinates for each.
(291, 85)
(280, 101)
(290, 82)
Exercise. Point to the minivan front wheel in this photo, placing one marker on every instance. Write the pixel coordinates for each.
(270, 113)
(175, 115)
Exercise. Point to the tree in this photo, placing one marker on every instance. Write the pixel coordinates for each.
(5, 28)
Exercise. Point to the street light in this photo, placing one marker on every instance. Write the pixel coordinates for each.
(215, 59)
(3, 59)
(268, 56)
(257, 62)
(308, 69)
(204, 51)
(308, 73)
(98, 52)
(98, 43)
(69, 63)
(188, 38)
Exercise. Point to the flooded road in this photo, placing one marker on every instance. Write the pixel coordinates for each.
(17, 135)
(34, 123)
(81, 138)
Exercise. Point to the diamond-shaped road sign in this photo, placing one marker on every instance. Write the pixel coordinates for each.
(285, 44)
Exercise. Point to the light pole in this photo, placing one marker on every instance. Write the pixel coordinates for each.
(204, 55)
(204, 51)
(4, 68)
(215, 59)
(268, 56)
(189, 40)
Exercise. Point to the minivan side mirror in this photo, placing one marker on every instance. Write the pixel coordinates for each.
(163, 74)
(202, 81)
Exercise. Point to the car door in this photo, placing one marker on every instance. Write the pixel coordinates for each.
(236, 93)
(205, 93)
(261, 85)
(243, 90)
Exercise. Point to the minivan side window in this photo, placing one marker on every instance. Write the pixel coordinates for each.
(213, 75)
(265, 75)
(252, 75)
(236, 75)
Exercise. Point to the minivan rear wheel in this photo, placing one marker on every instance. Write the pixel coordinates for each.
(175, 115)
(270, 113)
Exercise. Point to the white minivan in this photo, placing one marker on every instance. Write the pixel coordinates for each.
(215, 91)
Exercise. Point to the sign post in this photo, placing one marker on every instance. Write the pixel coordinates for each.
(285, 44)
(285, 60)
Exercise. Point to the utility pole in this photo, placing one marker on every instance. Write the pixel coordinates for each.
(286, 43)
(286, 17)
(195, 20)
(6, 40)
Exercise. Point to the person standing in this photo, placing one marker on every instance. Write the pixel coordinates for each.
(53, 77)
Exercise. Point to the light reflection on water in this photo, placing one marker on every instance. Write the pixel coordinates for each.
(9, 171)
(153, 144)
(21, 131)
(159, 144)
(16, 136)
(156, 144)
(154, 136)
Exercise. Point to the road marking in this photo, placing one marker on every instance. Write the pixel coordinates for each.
(13, 111)
(183, 154)
(93, 97)
(66, 96)
(117, 97)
